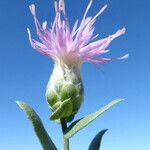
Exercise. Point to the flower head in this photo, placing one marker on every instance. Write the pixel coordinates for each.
(61, 43)
(69, 48)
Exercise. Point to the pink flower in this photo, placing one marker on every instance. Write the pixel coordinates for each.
(59, 42)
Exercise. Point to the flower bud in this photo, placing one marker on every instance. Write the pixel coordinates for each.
(64, 91)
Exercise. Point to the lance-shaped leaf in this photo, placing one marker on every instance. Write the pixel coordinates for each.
(83, 122)
(96, 142)
(45, 140)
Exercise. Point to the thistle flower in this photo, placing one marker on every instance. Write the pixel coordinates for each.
(69, 49)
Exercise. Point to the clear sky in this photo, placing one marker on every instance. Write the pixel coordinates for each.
(24, 74)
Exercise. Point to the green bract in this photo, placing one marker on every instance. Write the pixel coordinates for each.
(64, 91)
(68, 91)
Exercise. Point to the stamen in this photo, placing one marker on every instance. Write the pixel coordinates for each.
(122, 31)
(29, 34)
(56, 6)
(100, 12)
(124, 57)
(32, 9)
(95, 37)
(119, 32)
(83, 19)
(87, 9)
(62, 6)
(44, 25)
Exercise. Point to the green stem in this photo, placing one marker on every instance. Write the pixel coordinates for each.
(65, 140)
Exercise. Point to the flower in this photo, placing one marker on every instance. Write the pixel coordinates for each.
(59, 42)
(69, 48)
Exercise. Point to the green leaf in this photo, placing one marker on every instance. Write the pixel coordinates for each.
(37, 124)
(96, 142)
(83, 122)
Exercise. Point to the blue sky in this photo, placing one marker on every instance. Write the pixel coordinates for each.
(24, 74)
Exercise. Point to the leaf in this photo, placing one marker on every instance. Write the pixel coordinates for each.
(83, 122)
(37, 124)
(96, 142)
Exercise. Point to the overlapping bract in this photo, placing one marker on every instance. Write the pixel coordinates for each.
(71, 46)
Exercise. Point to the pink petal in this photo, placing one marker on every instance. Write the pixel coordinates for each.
(103, 43)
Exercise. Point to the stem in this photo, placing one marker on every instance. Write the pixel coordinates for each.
(65, 140)
(66, 143)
